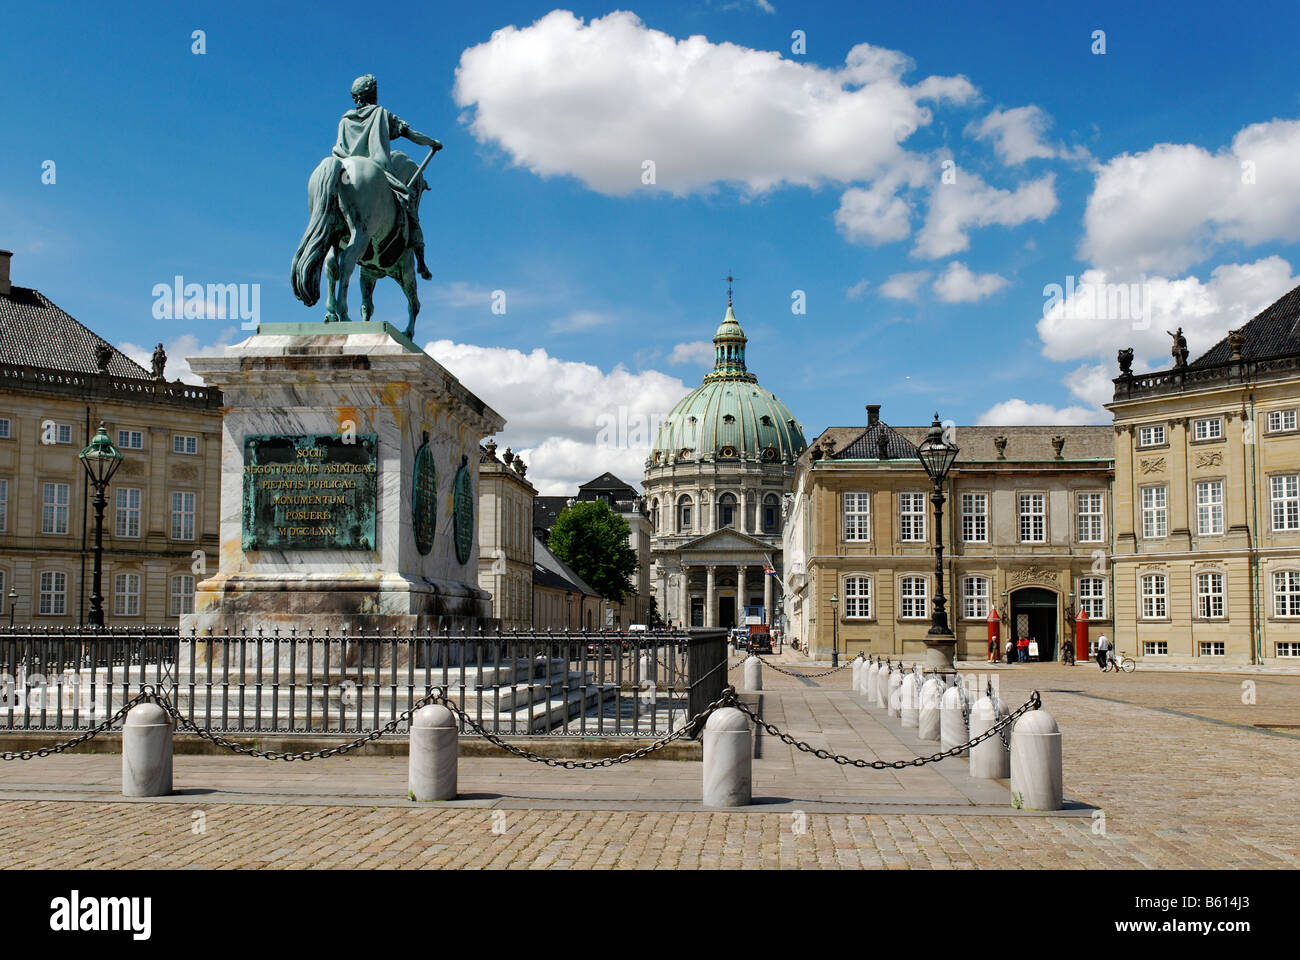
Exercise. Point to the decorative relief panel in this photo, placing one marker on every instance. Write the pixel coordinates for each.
(1152, 465)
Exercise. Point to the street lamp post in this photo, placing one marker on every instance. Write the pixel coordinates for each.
(937, 455)
(835, 631)
(13, 602)
(101, 460)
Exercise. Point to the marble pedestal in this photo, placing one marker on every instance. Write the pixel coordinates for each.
(320, 379)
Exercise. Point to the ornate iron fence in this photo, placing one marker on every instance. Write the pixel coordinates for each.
(512, 684)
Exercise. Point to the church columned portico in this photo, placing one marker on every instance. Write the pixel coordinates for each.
(717, 579)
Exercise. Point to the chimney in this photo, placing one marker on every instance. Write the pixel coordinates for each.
(873, 414)
(5, 256)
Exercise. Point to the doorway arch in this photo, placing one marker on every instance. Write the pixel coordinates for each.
(1035, 612)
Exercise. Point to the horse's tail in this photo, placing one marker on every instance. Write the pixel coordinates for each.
(322, 195)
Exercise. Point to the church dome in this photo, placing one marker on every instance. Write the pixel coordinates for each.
(729, 416)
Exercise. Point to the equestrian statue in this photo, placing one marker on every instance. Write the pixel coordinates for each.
(364, 203)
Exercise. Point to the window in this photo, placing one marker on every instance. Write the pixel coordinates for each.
(1286, 593)
(1089, 506)
(771, 514)
(857, 516)
(1291, 649)
(4, 506)
(126, 518)
(1033, 517)
(56, 432)
(1284, 495)
(53, 601)
(1279, 420)
(857, 597)
(914, 592)
(1212, 648)
(1151, 436)
(182, 516)
(1209, 507)
(4, 428)
(684, 514)
(1155, 648)
(975, 598)
(130, 439)
(911, 517)
(182, 594)
(975, 517)
(1155, 515)
(184, 443)
(1209, 596)
(4, 599)
(727, 511)
(1092, 597)
(1155, 595)
(54, 507)
(1211, 429)
(126, 595)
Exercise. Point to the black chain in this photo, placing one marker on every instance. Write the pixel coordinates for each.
(1033, 703)
(805, 676)
(146, 695)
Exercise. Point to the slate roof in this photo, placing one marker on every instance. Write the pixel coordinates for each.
(975, 444)
(606, 481)
(550, 571)
(546, 509)
(1270, 333)
(36, 333)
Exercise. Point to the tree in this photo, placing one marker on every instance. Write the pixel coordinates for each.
(593, 540)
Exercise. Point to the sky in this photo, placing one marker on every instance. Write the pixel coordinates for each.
(954, 207)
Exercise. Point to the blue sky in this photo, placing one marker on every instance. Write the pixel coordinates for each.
(1168, 161)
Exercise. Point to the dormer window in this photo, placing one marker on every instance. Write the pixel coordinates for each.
(728, 452)
(728, 418)
(765, 420)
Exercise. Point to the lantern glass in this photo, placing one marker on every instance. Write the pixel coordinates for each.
(100, 458)
(935, 453)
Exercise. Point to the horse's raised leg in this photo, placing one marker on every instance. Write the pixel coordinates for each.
(331, 281)
(412, 295)
(367, 293)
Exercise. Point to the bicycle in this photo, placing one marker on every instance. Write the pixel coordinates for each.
(1120, 662)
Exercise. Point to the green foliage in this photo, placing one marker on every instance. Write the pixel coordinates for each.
(593, 540)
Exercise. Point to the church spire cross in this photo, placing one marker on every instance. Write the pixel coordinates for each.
(729, 278)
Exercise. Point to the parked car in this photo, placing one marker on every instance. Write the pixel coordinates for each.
(760, 642)
(739, 638)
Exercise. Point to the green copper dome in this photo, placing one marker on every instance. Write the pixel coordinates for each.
(729, 416)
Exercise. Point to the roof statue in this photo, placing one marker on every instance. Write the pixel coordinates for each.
(364, 201)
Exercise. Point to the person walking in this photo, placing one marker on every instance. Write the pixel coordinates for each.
(1010, 651)
(1103, 650)
(1067, 653)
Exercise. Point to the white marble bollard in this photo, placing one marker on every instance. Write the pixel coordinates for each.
(147, 752)
(882, 687)
(857, 675)
(927, 716)
(728, 759)
(989, 759)
(952, 721)
(644, 666)
(753, 671)
(907, 701)
(1037, 781)
(895, 685)
(431, 770)
(869, 681)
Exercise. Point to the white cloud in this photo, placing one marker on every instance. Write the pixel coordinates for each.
(178, 349)
(858, 290)
(573, 419)
(904, 286)
(958, 284)
(1017, 134)
(581, 320)
(597, 100)
(697, 351)
(1092, 383)
(458, 293)
(874, 215)
(1015, 412)
(1103, 315)
(1172, 206)
(955, 208)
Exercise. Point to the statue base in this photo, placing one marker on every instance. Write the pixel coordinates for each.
(348, 487)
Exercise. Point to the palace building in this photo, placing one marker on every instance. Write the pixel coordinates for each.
(722, 461)
(1207, 498)
(1026, 532)
(58, 380)
(505, 536)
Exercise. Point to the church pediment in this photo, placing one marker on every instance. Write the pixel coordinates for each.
(727, 541)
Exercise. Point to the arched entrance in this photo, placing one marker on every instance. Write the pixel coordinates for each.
(1034, 614)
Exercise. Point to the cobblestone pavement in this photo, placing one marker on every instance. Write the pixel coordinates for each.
(1173, 761)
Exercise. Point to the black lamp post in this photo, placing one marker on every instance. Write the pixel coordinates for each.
(13, 602)
(937, 455)
(835, 631)
(101, 460)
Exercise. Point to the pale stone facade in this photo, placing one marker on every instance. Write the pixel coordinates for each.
(1025, 532)
(505, 530)
(1207, 501)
